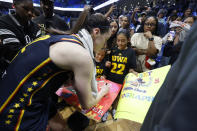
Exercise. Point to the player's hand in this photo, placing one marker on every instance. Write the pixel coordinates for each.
(104, 89)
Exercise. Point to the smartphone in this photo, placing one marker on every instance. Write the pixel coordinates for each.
(171, 36)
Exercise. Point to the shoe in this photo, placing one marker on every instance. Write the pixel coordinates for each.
(104, 118)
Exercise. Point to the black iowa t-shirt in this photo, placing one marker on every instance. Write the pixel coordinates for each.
(100, 68)
(122, 61)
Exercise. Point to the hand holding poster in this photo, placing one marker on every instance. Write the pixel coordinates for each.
(97, 111)
(138, 93)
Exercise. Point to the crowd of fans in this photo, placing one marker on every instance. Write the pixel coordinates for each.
(145, 39)
(156, 37)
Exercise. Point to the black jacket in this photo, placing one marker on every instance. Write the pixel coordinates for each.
(55, 22)
(13, 37)
(172, 51)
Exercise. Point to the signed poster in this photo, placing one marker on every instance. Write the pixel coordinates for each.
(96, 112)
(138, 93)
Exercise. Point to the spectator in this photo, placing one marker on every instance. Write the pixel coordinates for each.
(120, 20)
(112, 40)
(174, 43)
(123, 60)
(111, 43)
(126, 25)
(173, 107)
(162, 25)
(48, 19)
(190, 20)
(16, 31)
(161, 16)
(137, 23)
(187, 12)
(100, 63)
(179, 18)
(125, 22)
(36, 13)
(147, 43)
(171, 18)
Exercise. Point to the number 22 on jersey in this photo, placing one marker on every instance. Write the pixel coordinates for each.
(120, 68)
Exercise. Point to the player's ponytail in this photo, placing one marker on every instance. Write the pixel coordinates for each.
(87, 20)
(80, 23)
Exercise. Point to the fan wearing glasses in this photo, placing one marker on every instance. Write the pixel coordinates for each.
(146, 43)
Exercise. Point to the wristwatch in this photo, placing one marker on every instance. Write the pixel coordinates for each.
(151, 39)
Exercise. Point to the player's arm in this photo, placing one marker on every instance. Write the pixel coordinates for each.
(74, 57)
(83, 77)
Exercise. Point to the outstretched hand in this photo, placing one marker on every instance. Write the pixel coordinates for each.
(112, 8)
(87, 7)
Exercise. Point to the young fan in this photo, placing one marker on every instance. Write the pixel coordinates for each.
(123, 59)
(100, 63)
(122, 62)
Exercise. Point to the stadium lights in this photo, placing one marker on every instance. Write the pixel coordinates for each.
(105, 4)
(9, 1)
(62, 9)
(73, 9)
